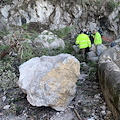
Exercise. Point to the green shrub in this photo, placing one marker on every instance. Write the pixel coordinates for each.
(63, 32)
(26, 53)
(8, 77)
(7, 1)
(110, 5)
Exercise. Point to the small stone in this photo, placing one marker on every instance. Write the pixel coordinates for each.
(57, 113)
(109, 113)
(103, 112)
(1, 114)
(97, 96)
(3, 98)
(90, 119)
(85, 110)
(95, 87)
(6, 107)
(61, 112)
(103, 107)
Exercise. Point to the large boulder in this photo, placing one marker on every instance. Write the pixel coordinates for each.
(50, 80)
(49, 40)
(109, 78)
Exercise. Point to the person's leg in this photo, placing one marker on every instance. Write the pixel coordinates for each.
(87, 50)
(83, 54)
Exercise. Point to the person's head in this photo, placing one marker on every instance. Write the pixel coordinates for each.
(88, 29)
(81, 32)
(94, 32)
(84, 31)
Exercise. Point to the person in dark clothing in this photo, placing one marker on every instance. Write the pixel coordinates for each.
(87, 49)
(89, 33)
(100, 31)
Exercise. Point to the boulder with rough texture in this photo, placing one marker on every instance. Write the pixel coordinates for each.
(91, 54)
(76, 48)
(109, 78)
(46, 12)
(50, 80)
(49, 40)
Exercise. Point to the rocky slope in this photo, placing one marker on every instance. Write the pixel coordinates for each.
(59, 14)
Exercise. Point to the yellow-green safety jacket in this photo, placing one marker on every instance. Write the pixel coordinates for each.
(83, 41)
(97, 39)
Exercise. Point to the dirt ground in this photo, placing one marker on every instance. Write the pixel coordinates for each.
(88, 102)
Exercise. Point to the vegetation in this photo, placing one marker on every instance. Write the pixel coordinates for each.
(63, 32)
(8, 75)
(6, 1)
(23, 51)
(93, 72)
(110, 5)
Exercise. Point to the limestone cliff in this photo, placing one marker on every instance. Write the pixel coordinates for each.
(57, 14)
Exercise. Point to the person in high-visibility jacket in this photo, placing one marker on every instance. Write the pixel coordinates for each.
(84, 42)
(97, 42)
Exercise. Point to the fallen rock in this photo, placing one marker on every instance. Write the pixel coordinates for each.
(109, 113)
(84, 67)
(103, 108)
(76, 48)
(6, 107)
(93, 48)
(1, 114)
(50, 80)
(3, 98)
(92, 56)
(83, 76)
(94, 59)
(109, 78)
(68, 115)
(103, 112)
(49, 40)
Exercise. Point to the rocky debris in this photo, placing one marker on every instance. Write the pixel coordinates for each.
(50, 80)
(88, 102)
(92, 56)
(67, 115)
(109, 73)
(93, 48)
(3, 98)
(76, 48)
(49, 40)
(109, 55)
(84, 67)
(6, 107)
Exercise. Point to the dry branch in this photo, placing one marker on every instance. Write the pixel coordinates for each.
(2, 55)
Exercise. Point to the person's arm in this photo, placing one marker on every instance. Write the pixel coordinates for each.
(77, 40)
(89, 42)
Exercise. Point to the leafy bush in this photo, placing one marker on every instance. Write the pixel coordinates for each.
(8, 77)
(63, 32)
(110, 5)
(6, 1)
(26, 53)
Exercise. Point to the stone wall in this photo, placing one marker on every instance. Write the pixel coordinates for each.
(109, 78)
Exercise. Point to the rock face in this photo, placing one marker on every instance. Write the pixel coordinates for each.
(50, 81)
(59, 14)
(109, 78)
(48, 40)
(44, 11)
